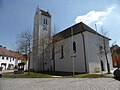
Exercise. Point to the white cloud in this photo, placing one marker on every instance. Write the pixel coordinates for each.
(94, 16)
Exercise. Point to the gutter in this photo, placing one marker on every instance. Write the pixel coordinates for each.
(84, 51)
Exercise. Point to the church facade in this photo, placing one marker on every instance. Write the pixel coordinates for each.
(78, 48)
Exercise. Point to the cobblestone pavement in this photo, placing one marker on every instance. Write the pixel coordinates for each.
(59, 84)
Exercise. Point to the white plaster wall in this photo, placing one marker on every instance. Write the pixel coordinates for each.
(7, 61)
(66, 64)
(17, 61)
(92, 42)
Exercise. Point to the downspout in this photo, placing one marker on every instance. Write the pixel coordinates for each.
(53, 56)
(84, 52)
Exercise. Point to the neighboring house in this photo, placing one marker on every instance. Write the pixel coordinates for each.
(78, 47)
(115, 49)
(7, 60)
(20, 58)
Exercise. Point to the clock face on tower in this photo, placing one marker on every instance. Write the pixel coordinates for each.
(44, 27)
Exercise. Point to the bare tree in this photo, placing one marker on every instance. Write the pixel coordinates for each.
(105, 47)
(52, 48)
(24, 45)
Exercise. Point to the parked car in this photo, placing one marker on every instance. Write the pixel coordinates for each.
(19, 69)
(117, 73)
(15, 71)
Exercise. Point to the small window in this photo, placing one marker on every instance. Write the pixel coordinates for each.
(74, 47)
(52, 54)
(62, 54)
(3, 57)
(13, 59)
(10, 59)
(6, 58)
(44, 21)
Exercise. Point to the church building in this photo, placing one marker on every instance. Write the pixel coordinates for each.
(78, 48)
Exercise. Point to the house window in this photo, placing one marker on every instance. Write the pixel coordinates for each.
(6, 58)
(101, 49)
(3, 57)
(10, 59)
(62, 54)
(74, 47)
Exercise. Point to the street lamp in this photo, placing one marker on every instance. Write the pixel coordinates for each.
(73, 56)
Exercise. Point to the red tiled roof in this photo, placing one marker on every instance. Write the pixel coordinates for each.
(18, 55)
(5, 52)
(10, 53)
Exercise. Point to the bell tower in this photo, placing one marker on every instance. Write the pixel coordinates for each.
(41, 38)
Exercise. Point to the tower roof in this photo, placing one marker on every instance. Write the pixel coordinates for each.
(45, 13)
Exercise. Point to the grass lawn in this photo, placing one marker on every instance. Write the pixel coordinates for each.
(40, 75)
(26, 75)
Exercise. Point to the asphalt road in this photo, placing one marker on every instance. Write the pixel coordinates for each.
(59, 84)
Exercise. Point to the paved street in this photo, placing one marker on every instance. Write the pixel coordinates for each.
(59, 84)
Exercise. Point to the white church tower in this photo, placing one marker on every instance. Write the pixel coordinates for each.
(41, 40)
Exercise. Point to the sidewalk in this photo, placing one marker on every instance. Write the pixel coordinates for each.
(7, 71)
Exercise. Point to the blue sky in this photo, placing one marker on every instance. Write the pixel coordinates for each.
(17, 16)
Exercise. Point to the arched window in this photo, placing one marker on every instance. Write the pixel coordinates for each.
(74, 47)
(62, 53)
(102, 65)
(44, 21)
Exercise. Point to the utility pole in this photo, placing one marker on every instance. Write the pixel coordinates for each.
(53, 55)
(73, 57)
(53, 49)
(26, 55)
(29, 59)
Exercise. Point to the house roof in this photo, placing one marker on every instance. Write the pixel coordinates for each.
(10, 53)
(77, 28)
(115, 48)
(5, 52)
(18, 55)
